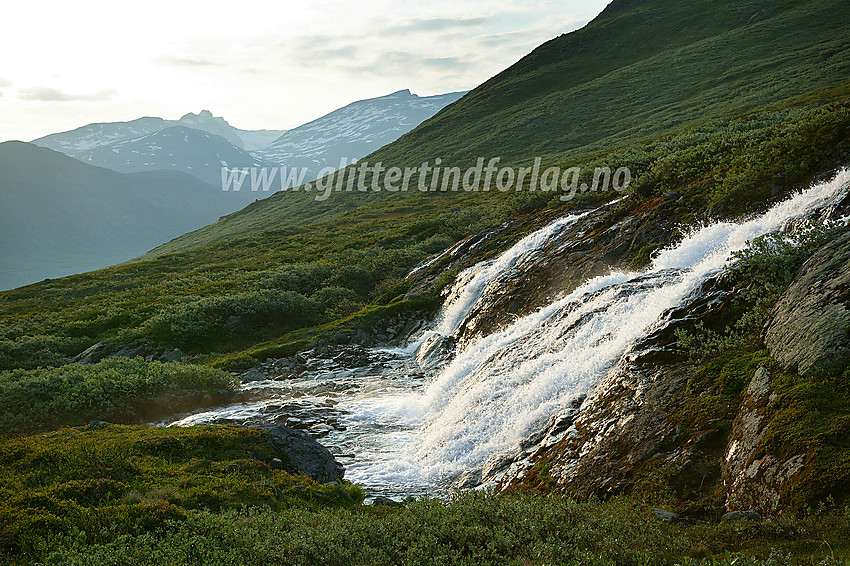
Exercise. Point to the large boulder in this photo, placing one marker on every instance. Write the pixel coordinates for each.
(809, 328)
(306, 456)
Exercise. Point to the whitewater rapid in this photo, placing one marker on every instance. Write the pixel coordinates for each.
(499, 390)
(399, 433)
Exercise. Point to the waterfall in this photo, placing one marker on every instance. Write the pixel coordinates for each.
(472, 283)
(504, 387)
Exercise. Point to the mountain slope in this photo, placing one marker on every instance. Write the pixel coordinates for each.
(643, 67)
(60, 216)
(640, 69)
(178, 148)
(354, 130)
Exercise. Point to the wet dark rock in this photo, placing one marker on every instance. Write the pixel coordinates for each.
(252, 375)
(385, 501)
(304, 454)
(666, 516)
(594, 450)
(734, 516)
(595, 244)
(435, 351)
(817, 306)
(469, 480)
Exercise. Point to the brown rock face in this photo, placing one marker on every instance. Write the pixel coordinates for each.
(809, 328)
(754, 479)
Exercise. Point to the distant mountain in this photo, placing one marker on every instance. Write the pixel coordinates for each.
(354, 131)
(75, 142)
(198, 144)
(249, 140)
(81, 140)
(201, 144)
(178, 148)
(61, 216)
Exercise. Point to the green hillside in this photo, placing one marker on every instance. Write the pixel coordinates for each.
(719, 109)
(639, 69)
(293, 269)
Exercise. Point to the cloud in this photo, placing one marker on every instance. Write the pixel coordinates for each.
(185, 62)
(47, 94)
(4, 82)
(511, 38)
(434, 24)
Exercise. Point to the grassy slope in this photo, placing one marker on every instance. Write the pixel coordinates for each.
(184, 300)
(75, 485)
(637, 70)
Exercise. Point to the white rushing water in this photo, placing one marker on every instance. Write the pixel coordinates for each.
(504, 387)
(473, 282)
(401, 435)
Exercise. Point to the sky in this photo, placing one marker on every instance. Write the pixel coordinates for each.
(259, 64)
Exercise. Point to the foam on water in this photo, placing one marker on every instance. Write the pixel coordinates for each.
(502, 388)
(472, 282)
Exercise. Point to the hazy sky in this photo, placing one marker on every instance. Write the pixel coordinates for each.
(260, 64)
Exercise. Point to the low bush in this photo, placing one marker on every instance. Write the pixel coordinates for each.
(113, 389)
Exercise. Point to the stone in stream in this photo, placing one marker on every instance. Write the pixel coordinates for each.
(306, 456)
(435, 352)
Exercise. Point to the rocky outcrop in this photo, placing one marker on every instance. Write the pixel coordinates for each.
(754, 478)
(809, 328)
(435, 352)
(596, 449)
(304, 454)
(602, 240)
(672, 428)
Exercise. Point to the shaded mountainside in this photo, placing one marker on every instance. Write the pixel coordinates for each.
(638, 70)
(60, 216)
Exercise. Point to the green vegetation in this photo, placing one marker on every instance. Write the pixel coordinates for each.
(115, 389)
(763, 271)
(718, 108)
(237, 301)
(469, 529)
(96, 482)
(807, 415)
(110, 494)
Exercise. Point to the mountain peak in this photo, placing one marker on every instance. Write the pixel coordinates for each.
(202, 116)
(400, 93)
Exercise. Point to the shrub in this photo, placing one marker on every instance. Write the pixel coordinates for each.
(111, 389)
